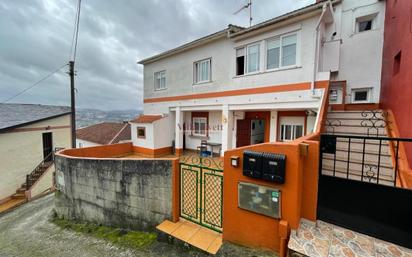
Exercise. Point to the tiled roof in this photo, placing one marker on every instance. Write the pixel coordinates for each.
(146, 118)
(16, 115)
(105, 133)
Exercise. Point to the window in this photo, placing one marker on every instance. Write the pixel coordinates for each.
(365, 23)
(281, 52)
(141, 132)
(202, 71)
(397, 63)
(199, 126)
(160, 80)
(290, 132)
(240, 61)
(252, 58)
(360, 95)
(273, 54)
(80, 145)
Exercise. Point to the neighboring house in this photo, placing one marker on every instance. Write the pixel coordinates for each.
(242, 86)
(104, 133)
(396, 92)
(29, 134)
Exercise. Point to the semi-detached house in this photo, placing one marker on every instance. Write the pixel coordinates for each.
(244, 86)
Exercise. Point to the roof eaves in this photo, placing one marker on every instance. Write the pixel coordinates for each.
(302, 11)
(220, 34)
(3, 130)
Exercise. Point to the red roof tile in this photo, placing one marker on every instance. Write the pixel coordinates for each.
(146, 118)
(105, 133)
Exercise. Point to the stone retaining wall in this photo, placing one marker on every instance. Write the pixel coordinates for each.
(134, 194)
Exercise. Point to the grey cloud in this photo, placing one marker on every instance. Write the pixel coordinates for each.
(35, 38)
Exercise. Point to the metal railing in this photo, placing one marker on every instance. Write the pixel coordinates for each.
(44, 164)
(363, 158)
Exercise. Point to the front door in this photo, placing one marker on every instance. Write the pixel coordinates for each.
(47, 146)
(243, 132)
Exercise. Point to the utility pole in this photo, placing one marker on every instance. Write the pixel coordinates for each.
(73, 103)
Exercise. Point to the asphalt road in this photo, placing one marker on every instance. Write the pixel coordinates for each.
(27, 232)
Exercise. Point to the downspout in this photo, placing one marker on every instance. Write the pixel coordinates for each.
(315, 62)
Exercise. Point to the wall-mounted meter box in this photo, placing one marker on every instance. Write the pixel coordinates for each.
(273, 167)
(260, 199)
(252, 164)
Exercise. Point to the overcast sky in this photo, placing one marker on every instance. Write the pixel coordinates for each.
(35, 39)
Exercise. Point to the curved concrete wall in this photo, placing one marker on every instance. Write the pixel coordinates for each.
(134, 194)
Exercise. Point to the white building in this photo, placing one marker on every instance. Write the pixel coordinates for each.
(29, 134)
(242, 86)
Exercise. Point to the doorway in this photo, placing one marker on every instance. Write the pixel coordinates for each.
(47, 146)
(253, 129)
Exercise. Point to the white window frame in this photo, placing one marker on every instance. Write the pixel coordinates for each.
(199, 120)
(280, 38)
(196, 71)
(247, 59)
(292, 121)
(369, 95)
(293, 131)
(244, 60)
(155, 76)
(372, 17)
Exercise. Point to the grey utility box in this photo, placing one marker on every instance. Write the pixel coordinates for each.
(260, 199)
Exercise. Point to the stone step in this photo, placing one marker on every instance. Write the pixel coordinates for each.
(18, 196)
(377, 114)
(384, 161)
(355, 122)
(358, 130)
(370, 146)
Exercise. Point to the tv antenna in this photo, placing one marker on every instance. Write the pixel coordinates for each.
(246, 6)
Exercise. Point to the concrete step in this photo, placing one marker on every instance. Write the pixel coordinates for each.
(21, 190)
(384, 161)
(358, 130)
(18, 196)
(355, 122)
(371, 147)
(376, 114)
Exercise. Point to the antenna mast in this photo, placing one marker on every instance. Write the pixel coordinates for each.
(248, 5)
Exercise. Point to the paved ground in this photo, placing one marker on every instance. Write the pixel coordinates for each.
(27, 232)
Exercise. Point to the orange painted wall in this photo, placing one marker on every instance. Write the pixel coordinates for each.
(256, 230)
(105, 151)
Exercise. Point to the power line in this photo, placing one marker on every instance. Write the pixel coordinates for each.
(35, 84)
(76, 32)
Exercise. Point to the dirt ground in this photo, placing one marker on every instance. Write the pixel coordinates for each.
(27, 232)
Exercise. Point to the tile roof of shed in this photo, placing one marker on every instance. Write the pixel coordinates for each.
(146, 118)
(105, 133)
(17, 115)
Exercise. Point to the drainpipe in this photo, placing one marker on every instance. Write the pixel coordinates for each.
(315, 63)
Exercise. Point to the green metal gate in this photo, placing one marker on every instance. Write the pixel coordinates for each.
(201, 191)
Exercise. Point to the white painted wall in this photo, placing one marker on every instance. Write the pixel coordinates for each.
(147, 142)
(21, 152)
(84, 143)
(162, 133)
(360, 59)
(179, 67)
